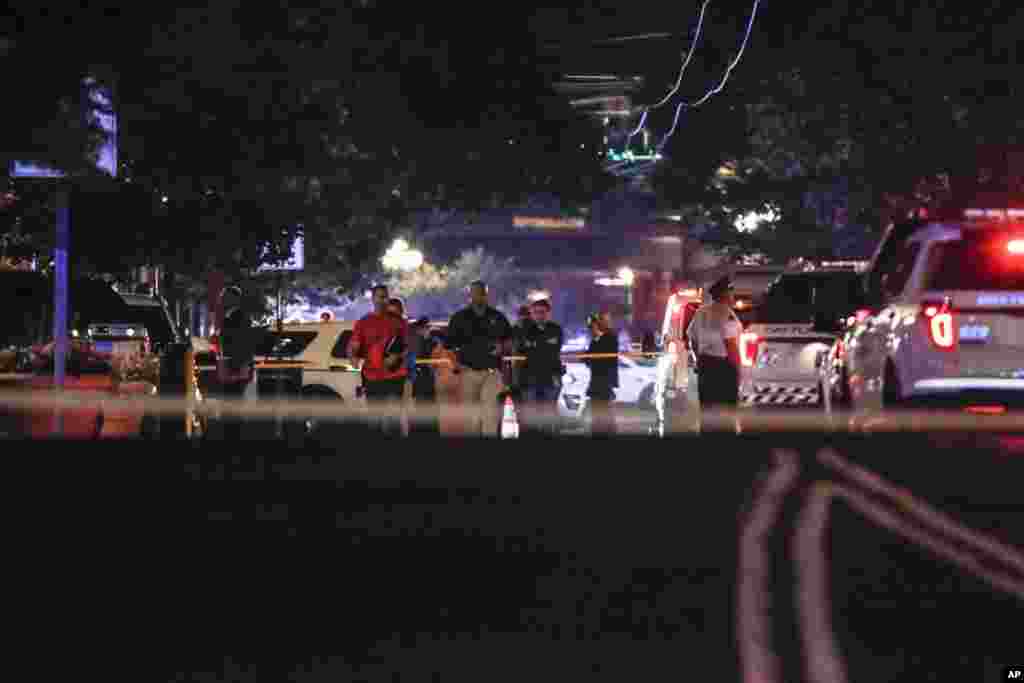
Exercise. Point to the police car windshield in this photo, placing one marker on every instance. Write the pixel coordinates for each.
(798, 297)
(285, 344)
(975, 265)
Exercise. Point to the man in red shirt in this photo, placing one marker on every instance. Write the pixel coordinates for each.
(384, 368)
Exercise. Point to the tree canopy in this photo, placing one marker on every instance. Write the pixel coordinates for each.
(878, 102)
(243, 125)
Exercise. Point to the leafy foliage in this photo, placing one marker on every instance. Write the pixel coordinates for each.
(438, 291)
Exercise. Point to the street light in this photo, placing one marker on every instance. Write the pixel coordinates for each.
(627, 277)
(401, 257)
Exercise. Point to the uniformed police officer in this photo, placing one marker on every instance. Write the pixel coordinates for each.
(714, 337)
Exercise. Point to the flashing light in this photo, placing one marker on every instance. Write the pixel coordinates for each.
(862, 314)
(939, 320)
(986, 410)
(748, 349)
(130, 332)
(688, 292)
(1015, 247)
(627, 276)
(999, 214)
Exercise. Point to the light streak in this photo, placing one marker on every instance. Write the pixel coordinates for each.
(721, 85)
(643, 120)
(672, 130)
(686, 62)
(743, 46)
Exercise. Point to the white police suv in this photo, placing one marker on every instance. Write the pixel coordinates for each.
(947, 323)
(790, 333)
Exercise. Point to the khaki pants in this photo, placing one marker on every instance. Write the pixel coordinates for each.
(479, 392)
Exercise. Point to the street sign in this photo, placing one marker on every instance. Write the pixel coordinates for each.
(295, 262)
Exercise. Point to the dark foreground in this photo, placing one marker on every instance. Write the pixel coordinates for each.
(440, 560)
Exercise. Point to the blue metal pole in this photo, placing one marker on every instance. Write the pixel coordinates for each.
(60, 297)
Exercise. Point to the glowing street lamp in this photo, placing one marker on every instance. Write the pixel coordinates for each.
(401, 257)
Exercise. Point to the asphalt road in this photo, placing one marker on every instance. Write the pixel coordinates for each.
(660, 559)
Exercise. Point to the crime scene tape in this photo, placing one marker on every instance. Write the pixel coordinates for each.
(809, 420)
(308, 365)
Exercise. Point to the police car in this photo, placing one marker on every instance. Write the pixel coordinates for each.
(947, 324)
(791, 332)
(313, 360)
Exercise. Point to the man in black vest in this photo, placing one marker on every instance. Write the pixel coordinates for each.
(480, 336)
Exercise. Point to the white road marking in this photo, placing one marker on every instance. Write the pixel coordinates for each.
(758, 661)
(823, 659)
(924, 512)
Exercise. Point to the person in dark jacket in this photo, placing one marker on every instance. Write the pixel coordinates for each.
(648, 345)
(541, 374)
(513, 370)
(604, 375)
(238, 340)
(424, 385)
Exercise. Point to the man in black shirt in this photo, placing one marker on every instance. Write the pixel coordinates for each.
(541, 375)
(480, 335)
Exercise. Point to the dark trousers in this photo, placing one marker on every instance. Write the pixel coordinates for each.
(540, 404)
(718, 382)
(385, 395)
(233, 425)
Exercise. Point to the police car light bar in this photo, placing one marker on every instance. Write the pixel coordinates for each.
(994, 213)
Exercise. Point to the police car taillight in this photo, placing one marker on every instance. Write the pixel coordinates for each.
(938, 319)
(749, 343)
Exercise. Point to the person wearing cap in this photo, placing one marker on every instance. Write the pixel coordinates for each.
(714, 334)
(604, 375)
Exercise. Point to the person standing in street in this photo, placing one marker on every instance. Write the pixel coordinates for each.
(714, 335)
(396, 307)
(236, 366)
(424, 386)
(541, 374)
(378, 340)
(604, 375)
(480, 336)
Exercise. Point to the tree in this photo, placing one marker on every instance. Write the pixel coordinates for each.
(438, 291)
(874, 112)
